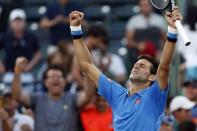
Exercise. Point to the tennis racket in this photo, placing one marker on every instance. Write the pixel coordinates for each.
(164, 4)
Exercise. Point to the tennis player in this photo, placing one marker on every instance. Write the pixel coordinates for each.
(140, 107)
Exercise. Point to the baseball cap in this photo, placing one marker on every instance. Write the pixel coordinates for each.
(17, 13)
(181, 102)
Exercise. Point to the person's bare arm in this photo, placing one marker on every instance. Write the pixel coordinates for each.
(20, 65)
(130, 39)
(48, 23)
(88, 92)
(36, 58)
(168, 51)
(2, 67)
(81, 51)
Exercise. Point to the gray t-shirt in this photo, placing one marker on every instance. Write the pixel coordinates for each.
(59, 115)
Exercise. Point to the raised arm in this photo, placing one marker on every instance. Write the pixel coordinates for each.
(168, 51)
(81, 51)
(20, 65)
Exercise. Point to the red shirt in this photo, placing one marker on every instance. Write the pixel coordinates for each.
(93, 120)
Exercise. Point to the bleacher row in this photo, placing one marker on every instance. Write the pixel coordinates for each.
(114, 14)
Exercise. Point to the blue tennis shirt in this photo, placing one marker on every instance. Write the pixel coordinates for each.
(142, 111)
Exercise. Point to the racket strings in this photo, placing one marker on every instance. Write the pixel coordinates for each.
(160, 4)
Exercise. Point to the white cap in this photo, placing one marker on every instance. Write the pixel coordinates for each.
(181, 102)
(17, 13)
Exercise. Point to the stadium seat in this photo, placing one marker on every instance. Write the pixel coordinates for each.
(114, 46)
(35, 2)
(94, 12)
(124, 12)
(116, 30)
(42, 34)
(34, 13)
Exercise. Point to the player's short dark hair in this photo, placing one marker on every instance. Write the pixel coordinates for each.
(154, 63)
(54, 67)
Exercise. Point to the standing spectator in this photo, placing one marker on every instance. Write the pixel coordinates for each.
(181, 107)
(18, 42)
(15, 120)
(146, 19)
(56, 19)
(97, 117)
(144, 32)
(55, 110)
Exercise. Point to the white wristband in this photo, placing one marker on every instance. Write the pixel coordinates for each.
(75, 28)
(172, 30)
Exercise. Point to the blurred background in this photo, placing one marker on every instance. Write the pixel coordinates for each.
(116, 32)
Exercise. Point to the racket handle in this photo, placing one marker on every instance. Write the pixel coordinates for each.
(182, 33)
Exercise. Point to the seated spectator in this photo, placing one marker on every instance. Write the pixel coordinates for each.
(55, 109)
(97, 117)
(181, 107)
(16, 42)
(56, 19)
(15, 120)
(111, 64)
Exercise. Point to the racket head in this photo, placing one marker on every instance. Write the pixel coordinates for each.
(160, 4)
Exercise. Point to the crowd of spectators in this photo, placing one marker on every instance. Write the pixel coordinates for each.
(46, 91)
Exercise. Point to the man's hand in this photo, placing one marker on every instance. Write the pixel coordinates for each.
(76, 18)
(3, 115)
(20, 64)
(171, 17)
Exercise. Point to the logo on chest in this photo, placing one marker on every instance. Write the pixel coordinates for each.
(138, 101)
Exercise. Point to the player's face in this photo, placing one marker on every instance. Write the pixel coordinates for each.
(141, 71)
(55, 82)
